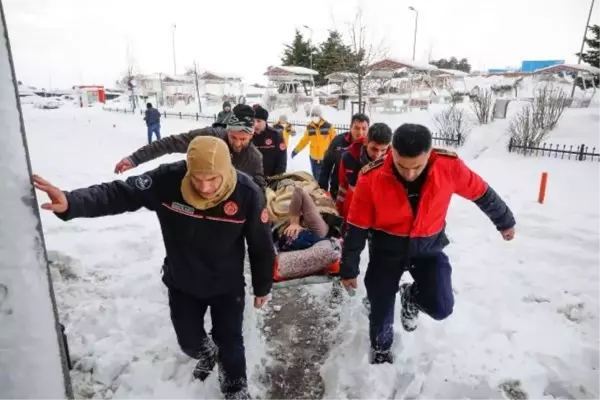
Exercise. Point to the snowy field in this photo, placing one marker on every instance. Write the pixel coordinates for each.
(526, 314)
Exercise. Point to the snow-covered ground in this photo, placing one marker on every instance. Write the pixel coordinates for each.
(526, 311)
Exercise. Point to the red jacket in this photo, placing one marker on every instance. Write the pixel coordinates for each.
(380, 205)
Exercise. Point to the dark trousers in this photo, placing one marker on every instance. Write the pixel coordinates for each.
(315, 166)
(153, 129)
(431, 293)
(227, 314)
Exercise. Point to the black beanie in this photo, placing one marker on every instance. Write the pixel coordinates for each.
(260, 113)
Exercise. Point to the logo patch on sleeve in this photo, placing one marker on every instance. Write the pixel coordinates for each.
(264, 216)
(230, 208)
(143, 182)
(268, 142)
(282, 146)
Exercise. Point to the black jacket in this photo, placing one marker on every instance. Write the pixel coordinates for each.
(329, 178)
(205, 249)
(248, 160)
(274, 152)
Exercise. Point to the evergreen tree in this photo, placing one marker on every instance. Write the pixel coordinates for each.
(298, 53)
(332, 57)
(591, 56)
(453, 63)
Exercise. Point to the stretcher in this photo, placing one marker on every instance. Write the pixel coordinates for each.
(329, 275)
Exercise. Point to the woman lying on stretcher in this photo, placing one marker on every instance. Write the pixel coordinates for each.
(310, 244)
(306, 227)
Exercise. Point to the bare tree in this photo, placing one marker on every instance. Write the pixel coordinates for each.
(362, 54)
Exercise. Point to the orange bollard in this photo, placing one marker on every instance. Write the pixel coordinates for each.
(542, 194)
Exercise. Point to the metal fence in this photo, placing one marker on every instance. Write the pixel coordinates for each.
(451, 141)
(577, 153)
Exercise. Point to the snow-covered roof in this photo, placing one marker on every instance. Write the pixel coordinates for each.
(290, 70)
(215, 76)
(395, 64)
(569, 67)
(340, 76)
(452, 72)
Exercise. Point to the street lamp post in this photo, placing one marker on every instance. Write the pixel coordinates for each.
(415, 38)
(582, 44)
(174, 59)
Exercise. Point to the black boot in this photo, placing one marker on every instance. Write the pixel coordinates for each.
(242, 394)
(381, 357)
(207, 358)
(410, 313)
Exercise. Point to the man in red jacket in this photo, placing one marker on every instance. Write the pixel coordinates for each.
(361, 152)
(402, 200)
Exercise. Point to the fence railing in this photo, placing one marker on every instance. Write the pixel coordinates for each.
(578, 153)
(450, 141)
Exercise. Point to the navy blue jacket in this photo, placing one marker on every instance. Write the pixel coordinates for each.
(274, 151)
(205, 249)
(329, 178)
(152, 116)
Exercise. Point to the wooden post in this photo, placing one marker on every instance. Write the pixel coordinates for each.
(542, 194)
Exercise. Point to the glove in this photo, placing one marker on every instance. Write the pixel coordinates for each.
(294, 153)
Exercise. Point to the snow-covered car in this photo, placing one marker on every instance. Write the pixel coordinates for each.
(47, 104)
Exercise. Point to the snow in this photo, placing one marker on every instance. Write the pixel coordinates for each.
(525, 310)
(30, 362)
(297, 70)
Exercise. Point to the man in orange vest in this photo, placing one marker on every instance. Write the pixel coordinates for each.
(402, 200)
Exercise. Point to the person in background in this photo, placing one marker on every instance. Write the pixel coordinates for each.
(269, 142)
(224, 115)
(361, 152)
(319, 134)
(238, 135)
(402, 201)
(207, 212)
(152, 118)
(328, 180)
(285, 128)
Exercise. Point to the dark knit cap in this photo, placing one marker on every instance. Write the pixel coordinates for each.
(242, 119)
(260, 113)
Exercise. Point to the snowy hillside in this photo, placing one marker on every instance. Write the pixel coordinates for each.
(526, 316)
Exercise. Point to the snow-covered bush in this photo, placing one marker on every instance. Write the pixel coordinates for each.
(452, 124)
(533, 123)
(481, 103)
(549, 104)
(457, 97)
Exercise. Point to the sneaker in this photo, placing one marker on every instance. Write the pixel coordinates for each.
(381, 357)
(410, 313)
(207, 358)
(242, 394)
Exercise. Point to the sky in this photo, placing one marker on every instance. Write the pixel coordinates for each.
(61, 43)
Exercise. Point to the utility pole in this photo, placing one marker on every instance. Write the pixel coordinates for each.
(587, 24)
(174, 58)
(312, 78)
(415, 38)
(197, 87)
